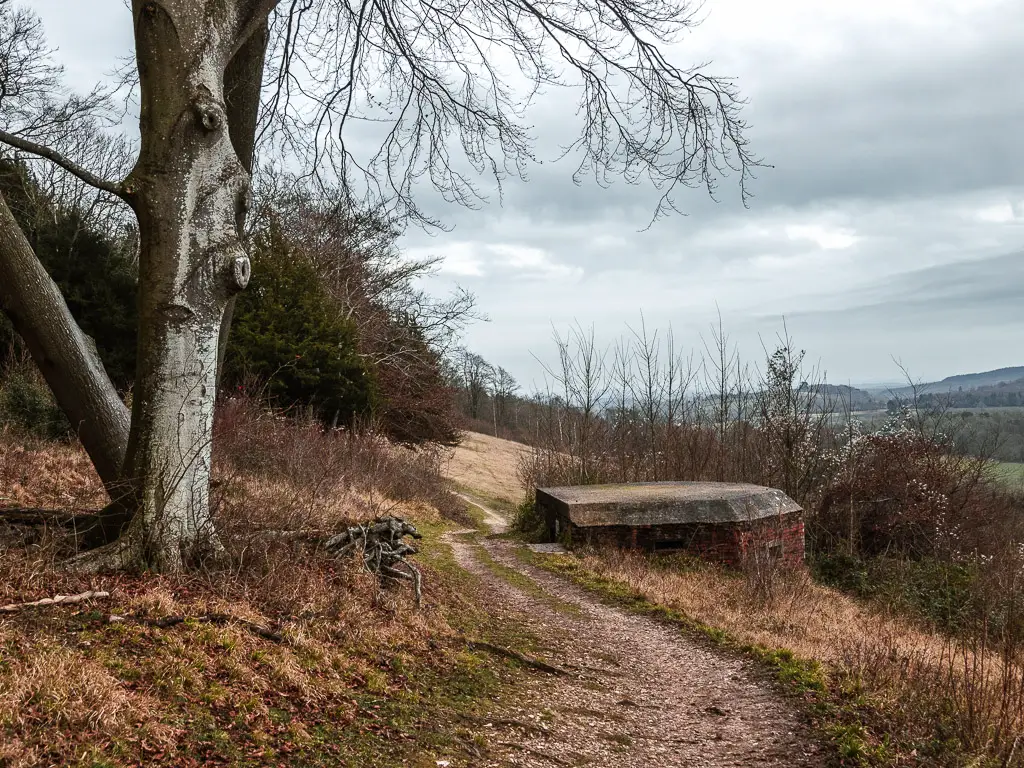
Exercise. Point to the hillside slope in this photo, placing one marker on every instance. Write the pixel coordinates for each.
(489, 466)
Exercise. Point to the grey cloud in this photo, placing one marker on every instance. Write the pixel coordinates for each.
(973, 294)
(898, 134)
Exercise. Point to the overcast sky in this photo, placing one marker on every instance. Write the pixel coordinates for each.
(891, 225)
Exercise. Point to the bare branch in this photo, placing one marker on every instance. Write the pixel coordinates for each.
(113, 188)
(55, 600)
(429, 75)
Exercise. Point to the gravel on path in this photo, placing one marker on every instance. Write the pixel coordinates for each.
(639, 693)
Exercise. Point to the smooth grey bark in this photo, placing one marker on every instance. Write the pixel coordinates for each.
(189, 190)
(200, 69)
(64, 354)
(243, 82)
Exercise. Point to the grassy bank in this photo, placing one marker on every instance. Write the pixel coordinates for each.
(280, 655)
(376, 683)
(883, 689)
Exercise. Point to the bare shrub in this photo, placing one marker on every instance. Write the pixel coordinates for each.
(965, 689)
(899, 489)
(277, 476)
(937, 546)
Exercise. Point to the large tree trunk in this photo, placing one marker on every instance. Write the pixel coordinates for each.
(66, 357)
(243, 83)
(188, 190)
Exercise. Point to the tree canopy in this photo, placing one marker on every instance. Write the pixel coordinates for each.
(374, 97)
(290, 340)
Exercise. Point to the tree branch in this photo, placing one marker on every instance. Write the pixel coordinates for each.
(68, 165)
(253, 19)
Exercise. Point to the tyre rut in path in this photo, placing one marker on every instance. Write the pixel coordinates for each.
(639, 693)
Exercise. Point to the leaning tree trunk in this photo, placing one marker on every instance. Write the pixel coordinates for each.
(66, 357)
(188, 190)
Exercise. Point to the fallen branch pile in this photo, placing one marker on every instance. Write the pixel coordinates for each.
(383, 548)
(381, 543)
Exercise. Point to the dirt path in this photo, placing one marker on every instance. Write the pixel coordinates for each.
(639, 693)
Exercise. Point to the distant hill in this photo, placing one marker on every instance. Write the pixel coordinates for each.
(858, 399)
(963, 381)
(975, 380)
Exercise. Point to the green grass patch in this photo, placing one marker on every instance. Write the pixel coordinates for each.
(1009, 474)
(500, 505)
(524, 583)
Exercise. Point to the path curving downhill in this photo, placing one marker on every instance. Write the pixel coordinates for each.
(639, 694)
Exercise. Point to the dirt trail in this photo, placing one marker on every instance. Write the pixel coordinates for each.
(639, 693)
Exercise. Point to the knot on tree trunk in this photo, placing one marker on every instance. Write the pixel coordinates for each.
(383, 548)
(240, 273)
(209, 115)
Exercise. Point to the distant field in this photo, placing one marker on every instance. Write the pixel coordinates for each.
(1010, 473)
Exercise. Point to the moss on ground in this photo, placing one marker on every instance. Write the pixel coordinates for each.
(81, 691)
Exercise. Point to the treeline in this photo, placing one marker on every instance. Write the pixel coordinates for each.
(1009, 394)
(333, 322)
(997, 433)
(646, 410)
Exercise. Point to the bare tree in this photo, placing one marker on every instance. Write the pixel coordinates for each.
(503, 389)
(647, 390)
(475, 374)
(584, 378)
(718, 378)
(423, 76)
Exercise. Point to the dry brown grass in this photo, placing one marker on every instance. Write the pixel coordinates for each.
(72, 684)
(77, 689)
(811, 620)
(49, 475)
(928, 683)
(488, 465)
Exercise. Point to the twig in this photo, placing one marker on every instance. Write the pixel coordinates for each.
(55, 600)
(523, 659)
(533, 728)
(1013, 751)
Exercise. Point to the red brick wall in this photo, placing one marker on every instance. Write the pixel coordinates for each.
(722, 542)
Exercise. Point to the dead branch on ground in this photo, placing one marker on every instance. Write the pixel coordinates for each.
(55, 600)
(508, 653)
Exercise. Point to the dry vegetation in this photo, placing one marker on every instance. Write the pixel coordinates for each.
(488, 465)
(348, 673)
(925, 644)
(935, 697)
